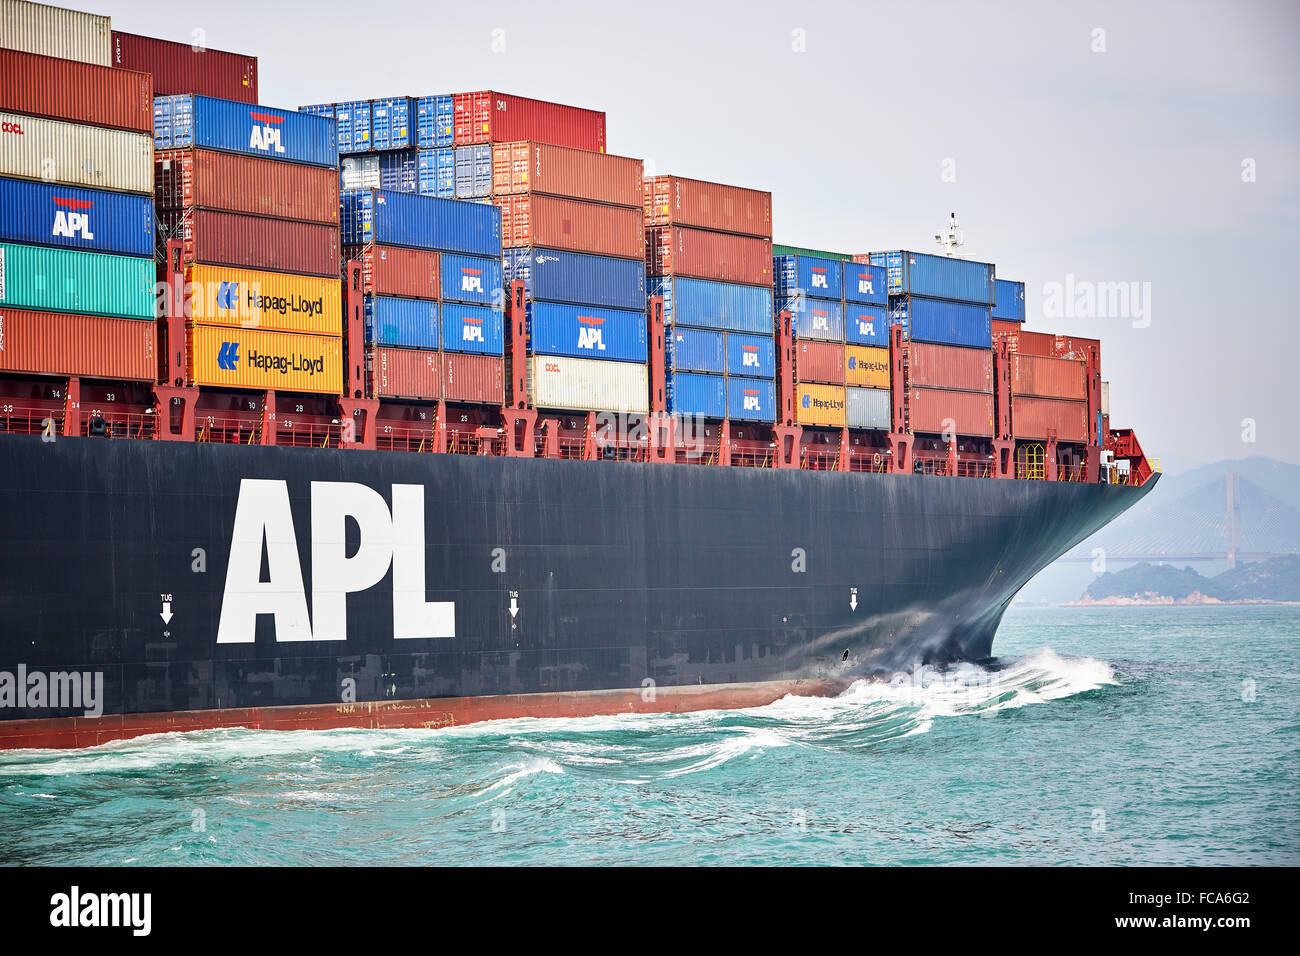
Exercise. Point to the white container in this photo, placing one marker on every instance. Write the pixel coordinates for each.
(1105, 398)
(588, 384)
(54, 31)
(69, 154)
(867, 408)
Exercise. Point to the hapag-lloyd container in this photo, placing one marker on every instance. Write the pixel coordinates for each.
(435, 121)
(253, 242)
(230, 182)
(1037, 418)
(473, 172)
(819, 362)
(275, 301)
(475, 379)
(572, 225)
(943, 322)
(867, 408)
(554, 275)
(866, 367)
(421, 222)
(391, 123)
(180, 68)
(866, 324)
(73, 218)
(706, 304)
(938, 277)
(1042, 377)
(407, 323)
(950, 366)
(209, 123)
(69, 280)
(573, 383)
(1010, 305)
(935, 411)
(698, 254)
(54, 31)
(76, 92)
(698, 394)
(404, 373)
(547, 170)
(865, 284)
(807, 275)
(821, 319)
(695, 350)
(393, 270)
(488, 117)
(472, 328)
(819, 405)
(751, 355)
(475, 280)
(56, 343)
(258, 359)
(751, 400)
(72, 154)
(678, 201)
(581, 331)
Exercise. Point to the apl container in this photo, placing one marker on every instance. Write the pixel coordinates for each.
(939, 277)
(94, 346)
(489, 117)
(865, 284)
(68, 280)
(209, 123)
(547, 170)
(700, 395)
(72, 154)
(820, 405)
(257, 359)
(231, 182)
(866, 367)
(807, 276)
(695, 350)
(435, 121)
(473, 172)
(579, 331)
(253, 242)
(475, 280)
(436, 172)
(751, 400)
(572, 225)
(181, 68)
(76, 92)
(277, 301)
(73, 218)
(578, 278)
(751, 355)
(820, 319)
(472, 328)
(675, 200)
(943, 322)
(408, 323)
(866, 325)
(54, 31)
(391, 126)
(702, 303)
(421, 222)
(1010, 305)
(867, 408)
(583, 384)
(392, 270)
(698, 254)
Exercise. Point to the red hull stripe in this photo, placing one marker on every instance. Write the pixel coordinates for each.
(72, 732)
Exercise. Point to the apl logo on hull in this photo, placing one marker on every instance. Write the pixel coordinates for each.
(72, 219)
(590, 337)
(265, 136)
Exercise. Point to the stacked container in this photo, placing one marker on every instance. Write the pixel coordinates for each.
(709, 255)
(181, 68)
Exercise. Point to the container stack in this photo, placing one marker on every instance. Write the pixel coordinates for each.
(1049, 396)
(180, 68)
(709, 255)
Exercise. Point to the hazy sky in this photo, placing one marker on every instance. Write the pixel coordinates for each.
(1124, 165)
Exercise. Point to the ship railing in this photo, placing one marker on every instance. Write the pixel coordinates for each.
(819, 460)
(297, 433)
(221, 430)
(396, 437)
(1075, 473)
(118, 424)
(17, 418)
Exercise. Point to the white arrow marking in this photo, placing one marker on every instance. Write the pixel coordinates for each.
(853, 601)
(166, 613)
(514, 607)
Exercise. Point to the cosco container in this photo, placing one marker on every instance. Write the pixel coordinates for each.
(72, 154)
(819, 362)
(76, 92)
(554, 275)
(702, 303)
(421, 222)
(572, 225)
(819, 319)
(865, 284)
(209, 123)
(866, 324)
(587, 385)
(1037, 418)
(807, 276)
(258, 359)
(867, 408)
(476, 379)
(935, 411)
(751, 400)
(472, 328)
(473, 172)
(819, 405)
(1048, 377)
(697, 254)
(231, 182)
(73, 218)
(392, 270)
(938, 277)
(695, 350)
(1010, 305)
(489, 117)
(943, 322)
(353, 129)
(751, 355)
(94, 346)
(252, 242)
(696, 394)
(580, 331)
(68, 280)
(436, 172)
(475, 280)
(547, 170)
(181, 68)
(276, 301)
(677, 201)
(950, 366)
(435, 121)
(390, 123)
(866, 367)
(408, 323)
(54, 31)
(404, 373)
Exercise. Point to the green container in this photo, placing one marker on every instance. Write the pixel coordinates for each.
(801, 251)
(66, 280)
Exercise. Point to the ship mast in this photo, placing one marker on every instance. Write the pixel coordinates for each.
(951, 237)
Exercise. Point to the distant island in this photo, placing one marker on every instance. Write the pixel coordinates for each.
(1275, 581)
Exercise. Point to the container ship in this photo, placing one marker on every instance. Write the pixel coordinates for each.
(429, 409)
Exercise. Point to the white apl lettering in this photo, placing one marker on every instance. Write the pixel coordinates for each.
(265, 138)
(472, 333)
(72, 225)
(590, 339)
(751, 403)
(750, 358)
(471, 284)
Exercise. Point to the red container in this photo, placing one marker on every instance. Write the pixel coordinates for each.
(932, 411)
(488, 117)
(393, 270)
(1005, 327)
(698, 254)
(476, 379)
(1048, 377)
(819, 362)
(229, 182)
(677, 201)
(1034, 418)
(53, 343)
(1028, 343)
(572, 225)
(179, 68)
(76, 92)
(1072, 346)
(404, 373)
(948, 366)
(254, 242)
(546, 170)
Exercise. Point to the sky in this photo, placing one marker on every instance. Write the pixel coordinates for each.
(1080, 144)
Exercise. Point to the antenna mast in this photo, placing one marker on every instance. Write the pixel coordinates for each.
(952, 237)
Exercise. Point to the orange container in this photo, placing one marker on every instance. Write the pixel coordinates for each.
(1035, 418)
(404, 373)
(572, 225)
(933, 411)
(950, 366)
(678, 201)
(547, 170)
(93, 346)
(1048, 377)
(819, 362)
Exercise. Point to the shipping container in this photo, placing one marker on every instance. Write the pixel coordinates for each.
(54, 31)
(936, 411)
(572, 225)
(1037, 418)
(866, 325)
(554, 275)
(677, 201)
(587, 385)
(399, 171)
(1105, 398)
(258, 359)
(546, 170)
(181, 68)
(698, 254)
(1043, 377)
(56, 343)
(229, 182)
(1075, 347)
(1003, 327)
(391, 123)
(252, 242)
(472, 328)
(206, 122)
(866, 367)
(819, 362)
(867, 408)
(950, 366)
(820, 405)
(1030, 343)
(943, 322)
(938, 277)
(582, 331)
(421, 222)
(436, 173)
(865, 284)
(473, 172)
(275, 301)
(435, 121)
(751, 400)
(753, 356)
(702, 303)
(489, 117)
(392, 270)
(404, 373)
(807, 276)
(696, 394)
(820, 319)
(475, 280)
(74, 218)
(695, 350)
(473, 379)
(780, 249)
(360, 172)
(352, 132)
(1010, 305)
(67, 280)
(72, 154)
(404, 323)
(58, 89)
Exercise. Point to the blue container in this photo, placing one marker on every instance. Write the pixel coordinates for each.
(751, 400)
(551, 275)
(691, 393)
(399, 171)
(703, 303)
(751, 355)
(210, 123)
(437, 173)
(943, 322)
(472, 328)
(808, 275)
(866, 325)
(937, 277)
(695, 350)
(420, 222)
(391, 126)
(1011, 301)
(820, 319)
(581, 331)
(435, 121)
(472, 279)
(473, 172)
(354, 133)
(865, 284)
(90, 219)
(408, 323)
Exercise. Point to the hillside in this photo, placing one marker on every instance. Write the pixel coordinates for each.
(1277, 579)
